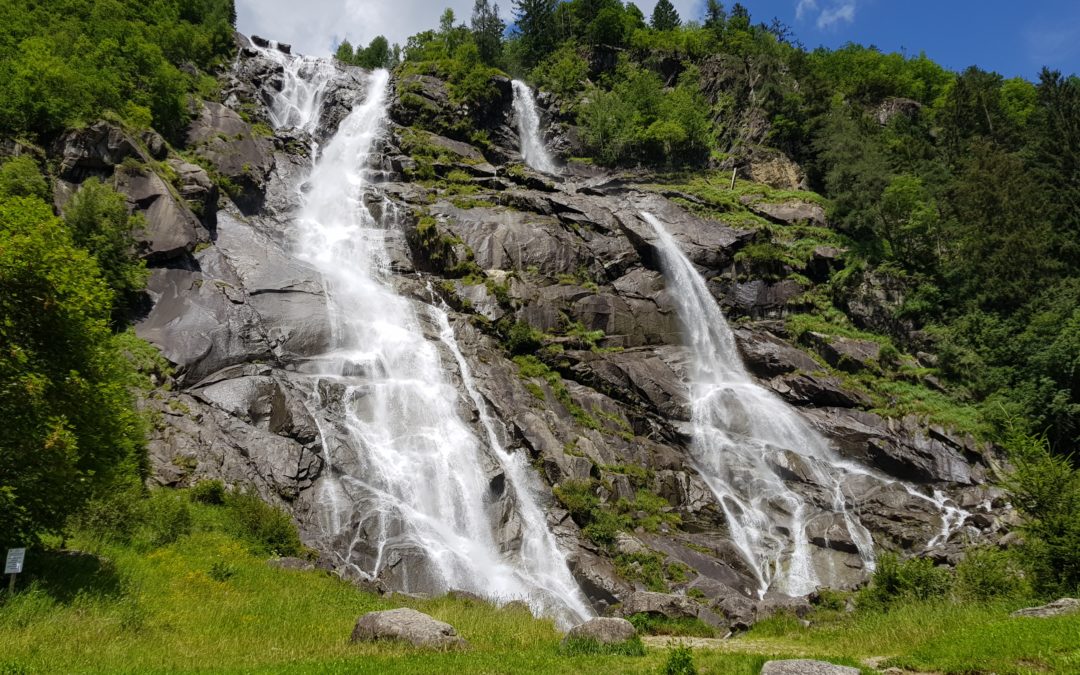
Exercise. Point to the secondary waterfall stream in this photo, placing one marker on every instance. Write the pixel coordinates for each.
(745, 440)
(533, 149)
(408, 493)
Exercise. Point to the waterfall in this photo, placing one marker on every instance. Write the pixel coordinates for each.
(408, 492)
(742, 434)
(533, 150)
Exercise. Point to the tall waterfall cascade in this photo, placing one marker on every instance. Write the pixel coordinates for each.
(745, 440)
(533, 149)
(407, 493)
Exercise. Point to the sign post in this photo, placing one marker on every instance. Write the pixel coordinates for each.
(14, 565)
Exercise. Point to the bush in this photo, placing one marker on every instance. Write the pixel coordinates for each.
(208, 492)
(267, 526)
(1046, 490)
(220, 570)
(112, 517)
(20, 177)
(987, 573)
(167, 518)
(680, 661)
(913, 579)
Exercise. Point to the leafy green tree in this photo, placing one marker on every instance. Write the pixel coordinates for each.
(376, 55)
(20, 177)
(664, 16)
(1046, 490)
(69, 427)
(98, 219)
(345, 52)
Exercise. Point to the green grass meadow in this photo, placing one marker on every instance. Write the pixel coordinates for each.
(208, 602)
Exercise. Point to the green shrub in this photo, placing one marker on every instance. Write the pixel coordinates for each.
(523, 339)
(1046, 490)
(652, 624)
(112, 517)
(270, 528)
(987, 573)
(167, 518)
(221, 570)
(21, 177)
(680, 661)
(913, 579)
(208, 492)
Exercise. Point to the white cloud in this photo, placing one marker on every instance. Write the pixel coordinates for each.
(835, 12)
(805, 7)
(315, 26)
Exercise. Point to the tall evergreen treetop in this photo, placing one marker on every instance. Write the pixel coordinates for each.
(664, 16)
(535, 23)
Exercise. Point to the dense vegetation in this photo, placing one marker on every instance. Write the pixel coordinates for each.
(66, 63)
(67, 285)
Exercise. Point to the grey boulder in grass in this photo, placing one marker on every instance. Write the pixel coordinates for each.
(805, 667)
(407, 625)
(1055, 608)
(606, 631)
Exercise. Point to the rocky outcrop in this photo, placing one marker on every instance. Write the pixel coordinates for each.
(220, 136)
(407, 625)
(245, 324)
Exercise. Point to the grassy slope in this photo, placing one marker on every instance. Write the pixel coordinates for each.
(158, 610)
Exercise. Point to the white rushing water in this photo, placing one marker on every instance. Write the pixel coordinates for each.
(533, 149)
(741, 433)
(406, 478)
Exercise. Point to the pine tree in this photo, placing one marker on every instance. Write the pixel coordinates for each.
(487, 29)
(715, 16)
(664, 16)
(535, 23)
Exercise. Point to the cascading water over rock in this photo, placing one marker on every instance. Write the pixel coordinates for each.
(410, 494)
(533, 150)
(748, 445)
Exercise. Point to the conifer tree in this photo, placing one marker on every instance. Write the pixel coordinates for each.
(487, 29)
(715, 16)
(535, 23)
(664, 16)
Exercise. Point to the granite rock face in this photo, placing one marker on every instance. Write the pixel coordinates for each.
(244, 323)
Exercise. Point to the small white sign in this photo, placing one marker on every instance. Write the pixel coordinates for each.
(15, 557)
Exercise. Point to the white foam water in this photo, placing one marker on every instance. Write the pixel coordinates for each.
(533, 149)
(744, 435)
(411, 480)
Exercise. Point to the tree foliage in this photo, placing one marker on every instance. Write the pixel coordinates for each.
(69, 427)
(66, 63)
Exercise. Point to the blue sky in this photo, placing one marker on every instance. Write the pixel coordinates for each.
(1014, 38)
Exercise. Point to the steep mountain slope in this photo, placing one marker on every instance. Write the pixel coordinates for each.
(564, 318)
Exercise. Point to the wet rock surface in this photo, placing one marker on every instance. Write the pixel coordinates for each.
(245, 324)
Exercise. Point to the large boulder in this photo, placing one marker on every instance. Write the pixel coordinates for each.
(1055, 608)
(407, 625)
(606, 631)
(806, 667)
